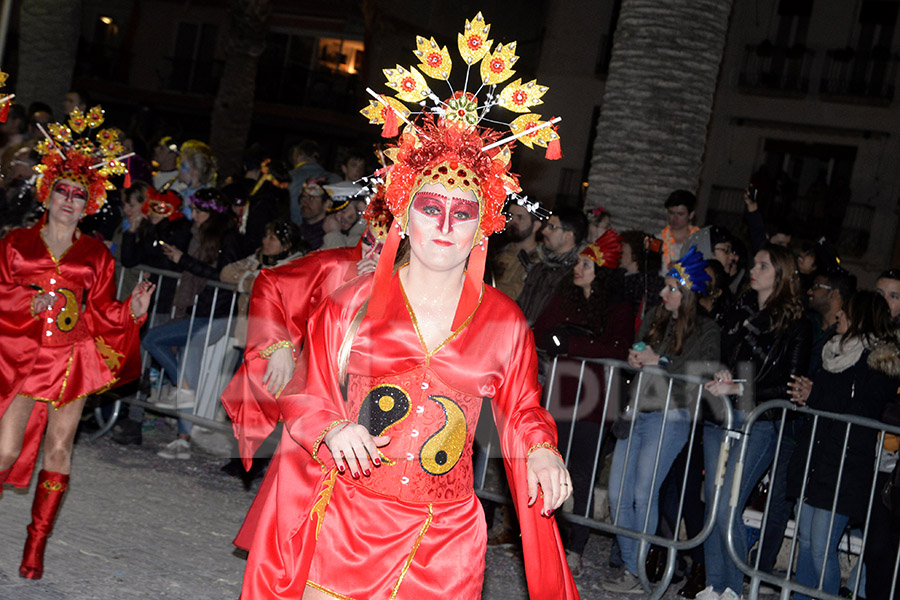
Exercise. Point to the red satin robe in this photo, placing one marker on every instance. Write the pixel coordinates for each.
(86, 343)
(414, 529)
(280, 304)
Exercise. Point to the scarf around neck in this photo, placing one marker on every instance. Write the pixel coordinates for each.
(838, 357)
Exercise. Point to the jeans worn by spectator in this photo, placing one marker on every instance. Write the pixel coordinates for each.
(633, 492)
(815, 544)
(721, 571)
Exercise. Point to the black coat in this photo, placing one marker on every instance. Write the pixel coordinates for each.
(863, 390)
(752, 350)
(143, 248)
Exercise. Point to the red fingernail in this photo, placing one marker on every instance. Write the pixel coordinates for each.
(341, 469)
(377, 462)
(367, 472)
(355, 475)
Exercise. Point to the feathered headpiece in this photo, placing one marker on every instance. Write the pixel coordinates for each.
(447, 145)
(690, 270)
(606, 251)
(69, 153)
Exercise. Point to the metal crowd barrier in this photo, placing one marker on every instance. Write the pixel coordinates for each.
(218, 358)
(614, 370)
(613, 401)
(786, 583)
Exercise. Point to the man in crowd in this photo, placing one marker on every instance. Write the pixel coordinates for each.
(563, 234)
(313, 206)
(888, 285)
(305, 158)
(511, 264)
(680, 207)
(165, 155)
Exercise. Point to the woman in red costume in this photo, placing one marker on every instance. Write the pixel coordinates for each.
(63, 334)
(373, 497)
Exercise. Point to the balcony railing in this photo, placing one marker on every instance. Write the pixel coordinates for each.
(775, 68)
(869, 74)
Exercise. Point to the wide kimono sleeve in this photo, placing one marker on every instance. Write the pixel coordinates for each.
(19, 329)
(115, 331)
(252, 408)
(524, 426)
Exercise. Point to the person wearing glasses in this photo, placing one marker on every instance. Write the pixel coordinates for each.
(563, 234)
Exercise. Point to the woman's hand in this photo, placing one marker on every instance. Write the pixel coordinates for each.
(367, 265)
(799, 389)
(279, 370)
(546, 469)
(140, 298)
(643, 358)
(172, 253)
(722, 384)
(354, 444)
(42, 302)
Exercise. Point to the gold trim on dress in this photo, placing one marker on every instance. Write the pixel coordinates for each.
(56, 261)
(412, 554)
(58, 403)
(267, 352)
(450, 338)
(325, 590)
(322, 500)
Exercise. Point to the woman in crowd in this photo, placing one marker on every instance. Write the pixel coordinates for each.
(157, 224)
(214, 244)
(280, 244)
(642, 279)
(63, 335)
(765, 341)
(196, 170)
(677, 339)
(599, 221)
(586, 319)
(860, 368)
(383, 476)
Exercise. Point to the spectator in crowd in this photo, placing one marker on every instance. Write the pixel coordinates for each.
(765, 340)
(828, 299)
(343, 223)
(859, 376)
(511, 264)
(305, 158)
(165, 157)
(282, 243)
(599, 221)
(39, 115)
(643, 283)
(313, 205)
(256, 200)
(884, 528)
(563, 233)
(587, 318)
(13, 133)
(154, 223)
(888, 285)
(17, 199)
(196, 170)
(716, 244)
(214, 244)
(718, 298)
(354, 167)
(75, 99)
(680, 208)
(677, 339)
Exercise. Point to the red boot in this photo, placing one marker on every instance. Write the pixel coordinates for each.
(47, 498)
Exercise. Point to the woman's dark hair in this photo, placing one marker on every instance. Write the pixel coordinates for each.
(647, 261)
(210, 235)
(596, 306)
(137, 191)
(784, 304)
(684, 323)
(287, 232)
(868, 315)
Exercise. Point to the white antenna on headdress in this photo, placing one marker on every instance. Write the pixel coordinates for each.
(552, 121)
(50, 139)
(106, 162)
(385, 103)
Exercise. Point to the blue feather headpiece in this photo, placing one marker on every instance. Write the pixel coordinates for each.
(690, 270)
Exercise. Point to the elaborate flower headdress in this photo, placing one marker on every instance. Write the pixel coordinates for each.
(606, 251)
(447, 144)
(165, 204)
(690, 271)
(69, 153)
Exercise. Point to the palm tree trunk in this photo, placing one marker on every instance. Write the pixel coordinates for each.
(48, 41)
(656, 108)
(233, 107)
